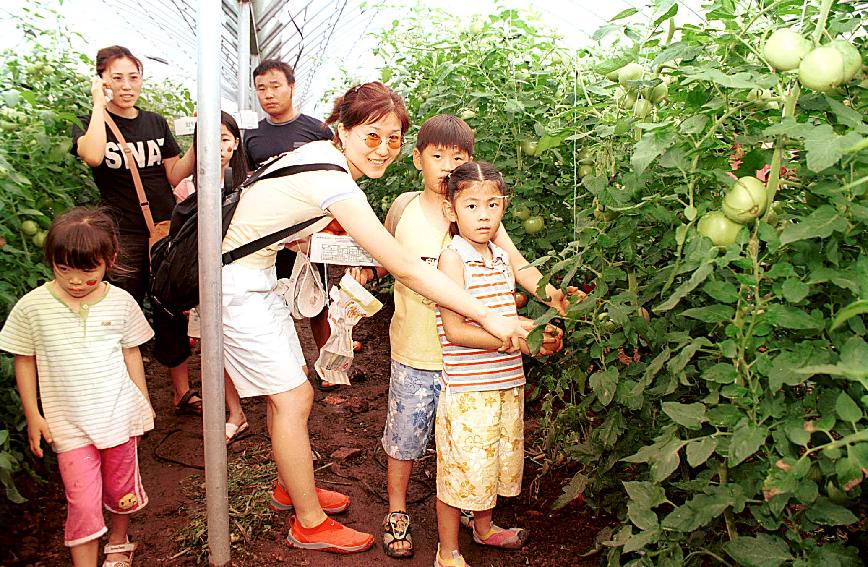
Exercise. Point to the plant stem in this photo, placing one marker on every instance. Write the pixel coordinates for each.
(723, 473)
(774, 179)
(825, 7)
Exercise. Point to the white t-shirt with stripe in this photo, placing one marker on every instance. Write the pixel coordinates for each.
(468, 369)
(88, 397)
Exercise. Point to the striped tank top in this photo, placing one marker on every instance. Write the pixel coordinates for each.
(471, 369)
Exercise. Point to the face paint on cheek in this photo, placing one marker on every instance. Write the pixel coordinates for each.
(91, 282)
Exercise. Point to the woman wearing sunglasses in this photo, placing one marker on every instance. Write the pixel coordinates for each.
(259, 335)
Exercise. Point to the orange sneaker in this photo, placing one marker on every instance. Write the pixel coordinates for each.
(331, 502)
(328, 536)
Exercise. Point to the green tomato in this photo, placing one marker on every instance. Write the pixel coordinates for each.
(851, 56)
(715, 226)
(822, 69)
(641, 108)
(585, 170)
(625, 99)
(467, 114)
(785, 49)
(613, 75)
(528, 147)
(603, 214)
(533, 224)
(658, 93)
(29, 227)
(630, 72)
(584, 156)
(745, 201)
(521, 211)
(39, 238)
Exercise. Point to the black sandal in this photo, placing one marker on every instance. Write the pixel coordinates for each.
(187, 407)
(396, 527)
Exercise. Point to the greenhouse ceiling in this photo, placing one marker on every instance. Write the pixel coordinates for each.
(319, 37)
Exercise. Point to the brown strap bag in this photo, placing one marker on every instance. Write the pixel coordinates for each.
(160, 229)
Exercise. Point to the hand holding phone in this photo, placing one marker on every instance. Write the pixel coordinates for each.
(100, 91)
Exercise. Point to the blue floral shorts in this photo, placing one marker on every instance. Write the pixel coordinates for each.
(413, 396)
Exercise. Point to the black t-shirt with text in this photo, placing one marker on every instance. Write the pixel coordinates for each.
(270, 140)
(152, 142)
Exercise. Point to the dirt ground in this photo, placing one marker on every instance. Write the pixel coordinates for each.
(171, 458)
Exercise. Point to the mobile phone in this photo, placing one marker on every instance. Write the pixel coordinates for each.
(108, 94)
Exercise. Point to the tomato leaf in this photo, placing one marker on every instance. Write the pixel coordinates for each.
(690, 416)
(847, 409)
(699, 450)
(819, 224)
(699, 276)
(604, 383)
(648, 149)
(624, 14)
(827, 513)
(746, 440)
(760, 551)
(571, 491)
(791, 318)
(710, 314)
(856, 308)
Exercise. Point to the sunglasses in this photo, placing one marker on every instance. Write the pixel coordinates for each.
(373, 141)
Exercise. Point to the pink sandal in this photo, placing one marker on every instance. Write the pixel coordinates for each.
(502, 538)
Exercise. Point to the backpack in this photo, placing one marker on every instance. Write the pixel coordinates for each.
(174, 278)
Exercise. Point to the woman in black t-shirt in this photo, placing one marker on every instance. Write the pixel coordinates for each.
(116, 89)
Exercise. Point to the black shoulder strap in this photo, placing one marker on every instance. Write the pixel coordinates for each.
(268, 239)
(259, 243)
(268, 173)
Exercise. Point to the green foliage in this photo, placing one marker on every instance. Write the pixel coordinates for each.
(46, 87)
(734, 417)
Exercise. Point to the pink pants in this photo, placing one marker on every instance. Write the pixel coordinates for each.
(94, 478)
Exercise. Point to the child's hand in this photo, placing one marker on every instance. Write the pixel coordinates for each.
(361, 274)
(37, 429)
(553, 340)
(561, 301)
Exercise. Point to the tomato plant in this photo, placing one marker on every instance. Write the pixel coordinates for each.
(711, 395)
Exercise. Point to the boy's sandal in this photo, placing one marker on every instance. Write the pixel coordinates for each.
(502, 538)
(396, 528)
(186, 406)
(129, 548)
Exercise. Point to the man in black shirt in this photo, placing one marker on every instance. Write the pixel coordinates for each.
(283, 130)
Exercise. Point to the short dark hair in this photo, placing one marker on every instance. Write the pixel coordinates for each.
(80, 238)
(367, 103)
(106, 55)
(447, 131)
(275, 65)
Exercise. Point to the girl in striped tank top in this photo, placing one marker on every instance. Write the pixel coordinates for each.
(480, 414)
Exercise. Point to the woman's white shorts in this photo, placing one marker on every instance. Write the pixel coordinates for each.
(261, 350)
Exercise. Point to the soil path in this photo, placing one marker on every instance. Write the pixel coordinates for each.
(349, 419)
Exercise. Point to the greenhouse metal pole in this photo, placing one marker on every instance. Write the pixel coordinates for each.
(208, 191)
(243, 54)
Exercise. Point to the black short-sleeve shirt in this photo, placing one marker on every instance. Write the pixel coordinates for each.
(152, 142)
(269, 140)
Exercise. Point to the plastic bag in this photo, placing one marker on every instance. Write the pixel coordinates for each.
(350, 302)
(302, 292)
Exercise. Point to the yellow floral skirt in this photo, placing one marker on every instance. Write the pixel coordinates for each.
(480, 446)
